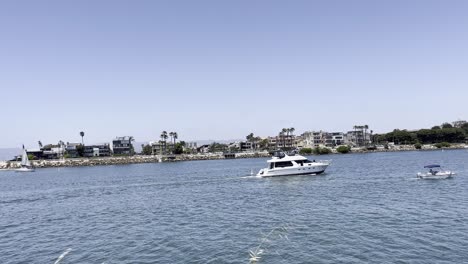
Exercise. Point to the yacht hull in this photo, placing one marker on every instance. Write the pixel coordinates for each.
(294, 174)
(429, 176)
(312, 169)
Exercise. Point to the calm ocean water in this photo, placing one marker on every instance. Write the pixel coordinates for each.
(367, 208)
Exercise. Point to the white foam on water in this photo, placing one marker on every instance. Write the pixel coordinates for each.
(62, 256)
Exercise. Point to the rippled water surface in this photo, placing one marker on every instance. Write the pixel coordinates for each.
(367, 208)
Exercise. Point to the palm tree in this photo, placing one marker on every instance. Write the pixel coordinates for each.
(164, 138)
(130, 140)
(171, 135)
(82, 135)
(291, 130)
(249, 137)
(365, 133)
(175, 137)
(61, 146)
(280, 139)
(284, 131)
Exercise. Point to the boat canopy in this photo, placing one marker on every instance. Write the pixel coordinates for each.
(287, 158)
(432, 166)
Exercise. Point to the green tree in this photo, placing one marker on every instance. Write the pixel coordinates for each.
(427, 135)
(442, 145)
(321, 151)
(452, 135)
(80, 150)
(447, 125)
(178, 148)
(305, 151)
(264, 143)
(218, 147)
(249, 137)
(465, 127)
(146, 149)
(401, 137)
(343, 149)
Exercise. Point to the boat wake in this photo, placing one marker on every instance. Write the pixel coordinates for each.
(250, 177)
(62, 256)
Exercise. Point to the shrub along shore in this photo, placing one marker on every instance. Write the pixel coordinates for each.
(136, 159)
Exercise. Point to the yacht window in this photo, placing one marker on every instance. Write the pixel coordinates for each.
(272, 165)
(308, 161)
(283, 164)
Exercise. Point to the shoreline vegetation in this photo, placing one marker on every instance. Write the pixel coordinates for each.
(138, 159)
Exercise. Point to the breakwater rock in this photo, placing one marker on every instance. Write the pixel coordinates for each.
(99, 161)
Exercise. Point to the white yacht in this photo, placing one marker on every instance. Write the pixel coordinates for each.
(290, 165)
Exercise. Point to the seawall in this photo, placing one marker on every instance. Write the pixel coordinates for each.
(100, 161)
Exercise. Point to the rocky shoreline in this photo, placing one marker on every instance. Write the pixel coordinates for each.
(137, 159)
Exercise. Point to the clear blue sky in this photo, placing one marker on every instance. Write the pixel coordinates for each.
(222, 69)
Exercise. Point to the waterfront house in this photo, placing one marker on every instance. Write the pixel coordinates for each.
(334, 139)
(247, 146)
(284, 141)
(35, 153)
(71, 150)
(357, 138)
(322, 138)
(97, 150)
(47, 152)
(203, 149)
(122, 146)
(51, 153)
(161, 147)
(242, 146)
(312, 138)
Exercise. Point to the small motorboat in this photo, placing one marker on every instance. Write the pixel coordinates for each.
(435, 172)
(292, 165)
